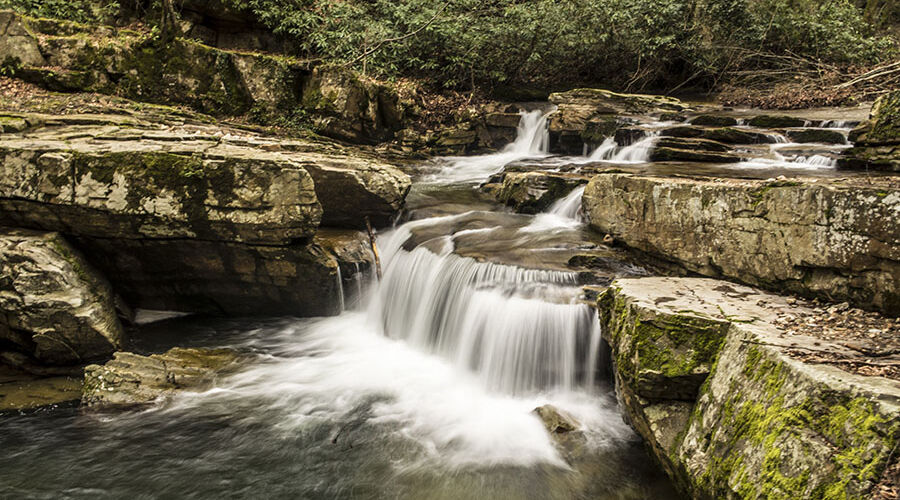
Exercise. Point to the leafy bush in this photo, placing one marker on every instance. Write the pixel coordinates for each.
(628, 43)
(84, 11)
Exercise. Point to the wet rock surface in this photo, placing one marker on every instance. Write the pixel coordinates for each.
(836, 239)
(131, 379)
(764, 422)
(57, 310)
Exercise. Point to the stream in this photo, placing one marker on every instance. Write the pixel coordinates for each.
(422, 389)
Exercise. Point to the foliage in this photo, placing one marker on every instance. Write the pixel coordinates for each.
(551, 44)
(84, 11)
(547, 43)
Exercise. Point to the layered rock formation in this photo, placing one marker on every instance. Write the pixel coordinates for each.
(65, 56)
(196, 217)
(877, 141)
(836, 239)
(734, 405)
(131, 379)
(55, 309)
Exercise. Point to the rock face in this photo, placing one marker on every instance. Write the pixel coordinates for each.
(877, 141)
(589, 115)
(717, 392)
(68, 57)
(56, 308)
(130, 379)
(197, 217)
(837, 239)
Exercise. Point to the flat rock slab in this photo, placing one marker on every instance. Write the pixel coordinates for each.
(837, 239)
(24, 392)
(143, 180)
(131, 379)
(763, 422)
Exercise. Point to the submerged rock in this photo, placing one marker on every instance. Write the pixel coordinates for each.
(57, 309)
(131, 379)
(836, 239)
(555, 420)
(760, 421)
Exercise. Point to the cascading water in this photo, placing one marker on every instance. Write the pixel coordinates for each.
(519, 330)
(569, 207)
(532, 141)
(638, 152)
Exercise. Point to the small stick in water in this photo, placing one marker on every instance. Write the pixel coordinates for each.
(374, 249)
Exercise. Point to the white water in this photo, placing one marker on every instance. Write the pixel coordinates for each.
(569, 206)
(639, 152)
(532, 142)
(456, 352)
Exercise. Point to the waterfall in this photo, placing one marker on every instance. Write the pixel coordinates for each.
(605, 151)
(570, 206)
(532, 141)
(519, 330)
(816, 161)
(638, 152)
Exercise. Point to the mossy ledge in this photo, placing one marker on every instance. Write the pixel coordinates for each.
(762, 424)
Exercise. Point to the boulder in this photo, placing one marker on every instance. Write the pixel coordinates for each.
(765, 417)
(130, 379)
(18, 44)
(348, 107)
(836, 239)
(876, 143)
(57, 309)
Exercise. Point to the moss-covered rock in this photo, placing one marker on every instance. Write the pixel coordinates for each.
(834, 239)
(763, 424)
(714, 121)
(877, 141)
(727, 135)
(776, 121)
(819, 135)
(271, 89)
(57, 309)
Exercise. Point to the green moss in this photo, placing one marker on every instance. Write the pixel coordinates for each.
(861, 437)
